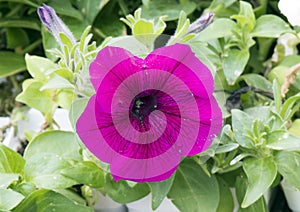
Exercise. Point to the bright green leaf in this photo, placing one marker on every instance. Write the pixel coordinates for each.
(46, 200)
(10, 161)
(270, 26)
(35, 98)
(289, 167)
(234, 64)
(284, 142)
(257, 81)
(9, 199)
(63, 144)
(45, 171)
(76, 110)
(65, 98)
(57, 82)
(241, 122)
(7, 179)
(216, 30)
(87, 173)
(39, 66)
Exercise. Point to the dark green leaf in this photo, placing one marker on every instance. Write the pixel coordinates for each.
(193, 189)
(226, 203)
(16, 38)
(123, 193)
(20, 23)
(171, 8)
(90, 8)
(107, 23)
(160, 191)
(11, 63)
(241, 186)
(261, 172)
(65, 8)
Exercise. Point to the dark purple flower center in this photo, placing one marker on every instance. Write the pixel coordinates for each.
(142, 105)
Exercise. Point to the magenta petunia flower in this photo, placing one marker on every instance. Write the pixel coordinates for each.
(147, 114)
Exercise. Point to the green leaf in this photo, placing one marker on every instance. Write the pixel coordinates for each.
(226, 148)
(193, 189)
(122, 192)
(86, 172)
(241, 186)
(294, 128)
(20, 23)
(288, 106)
(45, 171)
(76, 110)
(107, 22)
(234, 64)
(261, 172)
(57, 82)
(289, 167)
(64, 98)
(171, 8)
(11, 63)
(226, 203)
(10, 161)
(35, 98)
(257, 81)
(284, 142)
(270, 26)
(16, 38)
(90, 8)
(241, 123)
(65, 8)
(216, 30)
(160, 191)
(39, 66)
(246, 15)
(46, 200)
(63, 144)
(72, 195)
(9, 199)
(7, 179)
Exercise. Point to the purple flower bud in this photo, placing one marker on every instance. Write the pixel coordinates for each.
(201, 23)
(53, 23)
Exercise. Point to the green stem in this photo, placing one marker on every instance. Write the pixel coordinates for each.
(31, 46)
